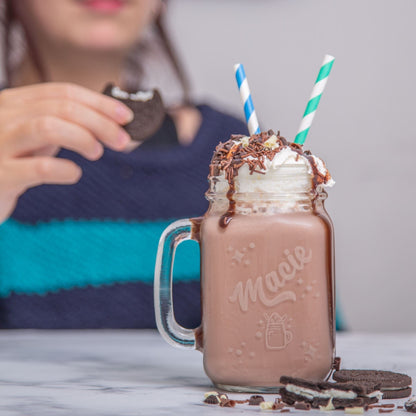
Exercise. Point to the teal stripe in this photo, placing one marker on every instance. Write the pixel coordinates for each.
(36, 259)
(312, 105)
(324, 71)
(301, 136)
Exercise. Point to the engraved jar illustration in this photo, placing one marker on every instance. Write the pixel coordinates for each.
(277, 334)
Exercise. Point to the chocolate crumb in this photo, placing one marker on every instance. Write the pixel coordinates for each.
(211, 399)
(255, 400)
(278, 406)
(285, 410)
(302, 406)
(385, 410)
(400, 407)
(241, 401)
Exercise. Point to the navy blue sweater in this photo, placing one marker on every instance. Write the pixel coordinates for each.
(83, 256)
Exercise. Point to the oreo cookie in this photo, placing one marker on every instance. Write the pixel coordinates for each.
(147, 106)
(392, 385)
(322, 393)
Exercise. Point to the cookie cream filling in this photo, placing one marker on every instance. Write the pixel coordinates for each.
(137, 96)
(329, 393)
(394, 388)
(323, 394)
(376, 393)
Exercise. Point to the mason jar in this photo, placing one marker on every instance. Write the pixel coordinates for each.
(267, 281)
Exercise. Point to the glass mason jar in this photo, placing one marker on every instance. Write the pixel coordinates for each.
(267, 282)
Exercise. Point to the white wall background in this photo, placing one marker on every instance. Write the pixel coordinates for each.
(364, 128)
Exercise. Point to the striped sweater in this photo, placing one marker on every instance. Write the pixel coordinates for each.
(83, 256)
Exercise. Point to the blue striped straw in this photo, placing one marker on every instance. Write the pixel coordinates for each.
(249, 111)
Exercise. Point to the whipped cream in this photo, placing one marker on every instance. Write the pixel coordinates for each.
(266, 162)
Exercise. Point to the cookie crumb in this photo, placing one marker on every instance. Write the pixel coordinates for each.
(255, 400)
(210, 393)
(212, 399)
(410, 405)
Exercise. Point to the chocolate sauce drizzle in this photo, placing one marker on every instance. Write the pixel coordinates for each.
(230, 156)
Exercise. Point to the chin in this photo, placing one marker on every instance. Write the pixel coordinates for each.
(105, 38)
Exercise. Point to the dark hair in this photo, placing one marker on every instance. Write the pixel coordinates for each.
(13, 13)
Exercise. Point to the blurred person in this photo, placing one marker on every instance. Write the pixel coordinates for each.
(82, 256)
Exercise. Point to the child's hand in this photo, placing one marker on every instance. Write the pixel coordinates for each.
(36, 121)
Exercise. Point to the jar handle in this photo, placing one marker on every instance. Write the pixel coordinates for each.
(170, 330)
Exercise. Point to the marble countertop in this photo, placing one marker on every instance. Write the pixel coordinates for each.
(85, 373)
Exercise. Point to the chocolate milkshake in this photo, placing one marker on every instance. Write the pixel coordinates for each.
(267, 279)
(266, 266)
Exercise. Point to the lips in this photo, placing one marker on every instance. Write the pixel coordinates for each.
(104, 6)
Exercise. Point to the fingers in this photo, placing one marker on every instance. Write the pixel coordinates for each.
(51, 132)
(16, 175)
(23, 173)
(108, 106)
(100, 126)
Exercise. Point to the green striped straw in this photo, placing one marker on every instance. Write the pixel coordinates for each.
(313, 102)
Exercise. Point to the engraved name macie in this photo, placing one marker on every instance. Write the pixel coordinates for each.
(273, 282)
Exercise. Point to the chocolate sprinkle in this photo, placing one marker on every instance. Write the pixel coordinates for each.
(337, 363)
(241, 401)
(227, 403)
(302, 406)
(385, 410)
(230, 156)
(386, 405)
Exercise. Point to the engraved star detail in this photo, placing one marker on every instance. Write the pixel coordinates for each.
(238, 256)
